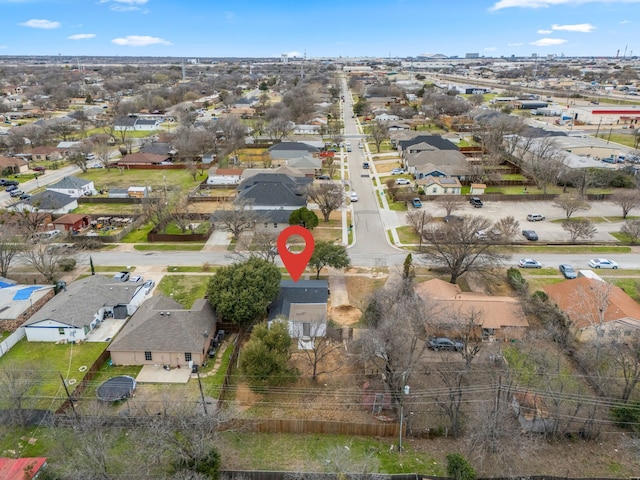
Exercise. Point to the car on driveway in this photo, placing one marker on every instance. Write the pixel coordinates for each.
(567, 271)
(416, 203)
(324, 176)
(529, 263)
(476, 202)
(530, 235)
(535, 217)
(122, 276)
(602, 263)
(403, 181)
(443, 343)
(397, 171)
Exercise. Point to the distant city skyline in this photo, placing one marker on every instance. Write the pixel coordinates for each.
(374, 28)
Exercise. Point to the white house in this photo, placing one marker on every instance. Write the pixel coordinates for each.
(224, 176)
(81, 307)
(440, 185)
(73, 186)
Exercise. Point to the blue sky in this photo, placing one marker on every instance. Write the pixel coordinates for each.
(329, 28)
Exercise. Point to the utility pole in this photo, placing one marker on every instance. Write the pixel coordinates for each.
(64, 384)
(204, 403)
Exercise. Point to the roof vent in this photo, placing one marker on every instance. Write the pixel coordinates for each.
(168, 314)
(162, 313)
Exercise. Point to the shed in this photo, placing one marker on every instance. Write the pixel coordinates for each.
(72, 222)
(478, 188)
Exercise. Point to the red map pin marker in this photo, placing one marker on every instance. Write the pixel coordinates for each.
(295, 262)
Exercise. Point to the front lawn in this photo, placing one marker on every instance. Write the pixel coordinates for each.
(408, 235)
(184, 289)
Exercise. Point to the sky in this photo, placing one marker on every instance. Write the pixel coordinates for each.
(318, 29)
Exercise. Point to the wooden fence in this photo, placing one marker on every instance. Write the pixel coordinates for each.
(313, 427)
(88, 376)
(186, 237)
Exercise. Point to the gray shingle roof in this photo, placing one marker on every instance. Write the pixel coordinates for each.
(69, 183)
(434, 140)
(83, 298)
(302, 291)
(298, 146)
(161, 324)
(49, 200)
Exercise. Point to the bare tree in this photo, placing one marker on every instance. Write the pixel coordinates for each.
(263, 245)
(17, 384)
(328, 196)
(419, 219)
(79, 160)
(581, 228)
(378, 133)
(451, 203)
(279, 128)
(237, 220)
(627, 200)
(11, 245)
(506, 228)
(470, 321)
(632, 229)
(543, 161)
(449, 399)
(324, 341)
(571, 204)
(457, 247)
(624, 354)
(44, 260)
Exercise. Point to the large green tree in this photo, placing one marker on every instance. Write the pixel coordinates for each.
(328, 254)
(264, 359)
(241, 292)
(305, 217)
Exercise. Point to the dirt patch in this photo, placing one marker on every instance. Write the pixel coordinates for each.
(345, 315)
(361, 287)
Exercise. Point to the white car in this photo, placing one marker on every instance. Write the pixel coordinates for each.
(529, 263)
(354, 197)
(602, 263)
(397, 171)
(403, 181)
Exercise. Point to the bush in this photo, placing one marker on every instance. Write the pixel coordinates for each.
(627, 416)
(516, 281)
(540, 296)
(459, 468)
(67, 264)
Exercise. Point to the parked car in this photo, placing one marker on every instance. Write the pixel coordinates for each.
(416, 203)
(10, 188)
(9, 183)
(25, 196)
(529, 263)
(354, 197)
(122, 276)
(535, 217)
(16, 193)
(39, 169)
(476, 202)
(530, 235)
(397, 171)
(324, 176)
(360, 145)
(136, 279)
(149, 284)
(602, 263)
(567, 271)
(403, 181)
(365, 165)
(443, 343)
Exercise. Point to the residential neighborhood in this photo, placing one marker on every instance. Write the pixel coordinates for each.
(144, 280)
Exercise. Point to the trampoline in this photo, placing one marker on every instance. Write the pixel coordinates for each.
(116, 388)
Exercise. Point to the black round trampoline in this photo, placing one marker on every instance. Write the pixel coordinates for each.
(116, 388)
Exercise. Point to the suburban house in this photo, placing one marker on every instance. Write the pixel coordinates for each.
(159, 148)
(71, 222)
(162, 332)
(39, 154)
(142, 158)
(440, 185)
(286, 150)
(81, 307)
(73, 186)
(18, 302)
(494, 318)
(438, 163)
(48, 201)
(303, 304)
(308, 165)
(13, 165)
(303, 129)
(224, 176)
(385, 117)
(593, 305)
(136, 123)
(284, 170)
(420, 143)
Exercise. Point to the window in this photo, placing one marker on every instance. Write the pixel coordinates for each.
(275, 225)
(435, 190)
(61, 331)
(147, 356)
(306, 329)
(266, 224)
(187, 356)
(446, 190)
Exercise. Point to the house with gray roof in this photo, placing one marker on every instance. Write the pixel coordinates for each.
(81, 307)
(287, 150)
(266, 191)
(303, 304)
(163, 332)
(424, 142)
(438, 163)
(73, 186)
(47, 201)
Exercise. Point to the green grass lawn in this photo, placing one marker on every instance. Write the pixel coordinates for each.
(138, 235)
(540, 271)
(184, 289)
(49, 361)
(170, 247)
(631, 286)
(527, 250)
(407, 235)
(176, 180)
(621, 138)
(594, 219)
(112, 268)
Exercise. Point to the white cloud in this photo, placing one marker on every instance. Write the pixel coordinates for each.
(81, 36)
(517, 44)
(45, 24)
(140, 41)
(623, 22)
(544, 32)
(500, 4)
(126, 5)
(578, 27)
(548, 42)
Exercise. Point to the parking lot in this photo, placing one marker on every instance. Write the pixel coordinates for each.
(547, 230)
